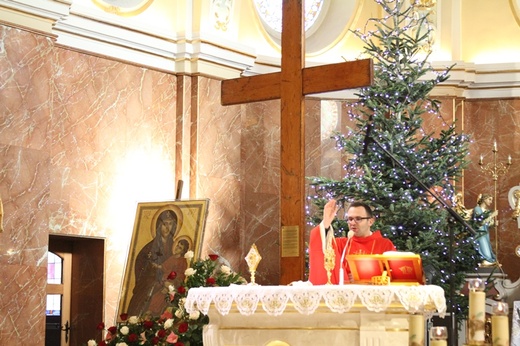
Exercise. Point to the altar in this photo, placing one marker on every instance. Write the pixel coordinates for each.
(301, 314)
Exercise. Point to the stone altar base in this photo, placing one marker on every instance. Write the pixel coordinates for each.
(317, 315)
(322, 328)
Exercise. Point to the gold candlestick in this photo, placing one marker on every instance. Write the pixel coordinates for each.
(253, 258)
(495, 169)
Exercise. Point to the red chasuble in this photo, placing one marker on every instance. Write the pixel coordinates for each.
(373, 244)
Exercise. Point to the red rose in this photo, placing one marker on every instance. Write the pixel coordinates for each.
(183, 327)
(161, 333)
(210, 281)
(102, 343)
(133, 337)
(148, 324)
(155, 340)
(100, 326)
(112, 330)
(123, 316)
(179, 344)
(213, 257)
(181, 289)
(172, 276)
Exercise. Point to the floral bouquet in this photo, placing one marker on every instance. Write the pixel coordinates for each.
(147, 331)
(175, 326)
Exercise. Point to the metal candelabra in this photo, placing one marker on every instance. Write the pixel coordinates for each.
(496, 169)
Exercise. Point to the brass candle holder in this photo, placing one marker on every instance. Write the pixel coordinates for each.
(253, 258)
(496, 169)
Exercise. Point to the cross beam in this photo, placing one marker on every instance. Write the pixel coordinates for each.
(318, 79)
(291, 85)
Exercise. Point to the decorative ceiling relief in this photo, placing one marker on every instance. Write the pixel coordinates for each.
(429, 8)
(221, 13)
(123, 7)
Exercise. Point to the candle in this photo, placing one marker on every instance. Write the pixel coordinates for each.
(481, 160)
(495, 146)
(477, 312)
(500, 324)
(509, 159)
(439, 336)
(416, 330)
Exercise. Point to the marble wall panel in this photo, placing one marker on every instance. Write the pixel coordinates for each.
(21, 298)
(260, 209)
(76, 132)
(215, 160)
(334, 118)
(25, 80)
(24, 183)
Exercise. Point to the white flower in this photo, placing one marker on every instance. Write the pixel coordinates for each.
(188, 255)
(168, 323)
(92, 343)
(171, 289)
(194, 315)
(189, 272)
(121, 344)
(124, 330)
(133, 320)
(178, 313)
(182, 301)
(225, 269)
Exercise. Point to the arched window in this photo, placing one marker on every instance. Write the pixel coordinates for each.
(270, 12)
(326, 21)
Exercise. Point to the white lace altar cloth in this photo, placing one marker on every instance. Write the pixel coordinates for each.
(275, 300)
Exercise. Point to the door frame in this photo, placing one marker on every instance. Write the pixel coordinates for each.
(87, 284)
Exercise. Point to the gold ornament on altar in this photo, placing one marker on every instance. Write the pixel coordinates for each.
(330, 259)
(253, 258)
(381, 280)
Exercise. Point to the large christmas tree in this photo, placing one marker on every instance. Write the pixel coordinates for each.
(388, 124)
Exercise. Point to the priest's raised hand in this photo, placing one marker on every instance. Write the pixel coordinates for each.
(361, 240)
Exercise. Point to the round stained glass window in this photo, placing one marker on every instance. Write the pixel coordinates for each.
(270, 11)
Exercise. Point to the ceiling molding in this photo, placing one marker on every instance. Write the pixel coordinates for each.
(34, 15)
(467, 80)
(82, 29)
(78, 28)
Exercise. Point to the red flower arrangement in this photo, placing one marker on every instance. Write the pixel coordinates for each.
(175, 327)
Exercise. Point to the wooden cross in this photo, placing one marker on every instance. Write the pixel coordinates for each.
(291, 85)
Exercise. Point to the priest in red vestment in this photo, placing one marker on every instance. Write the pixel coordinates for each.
(361, 241)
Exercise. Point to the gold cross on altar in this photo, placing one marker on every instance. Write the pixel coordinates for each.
(290, 86)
